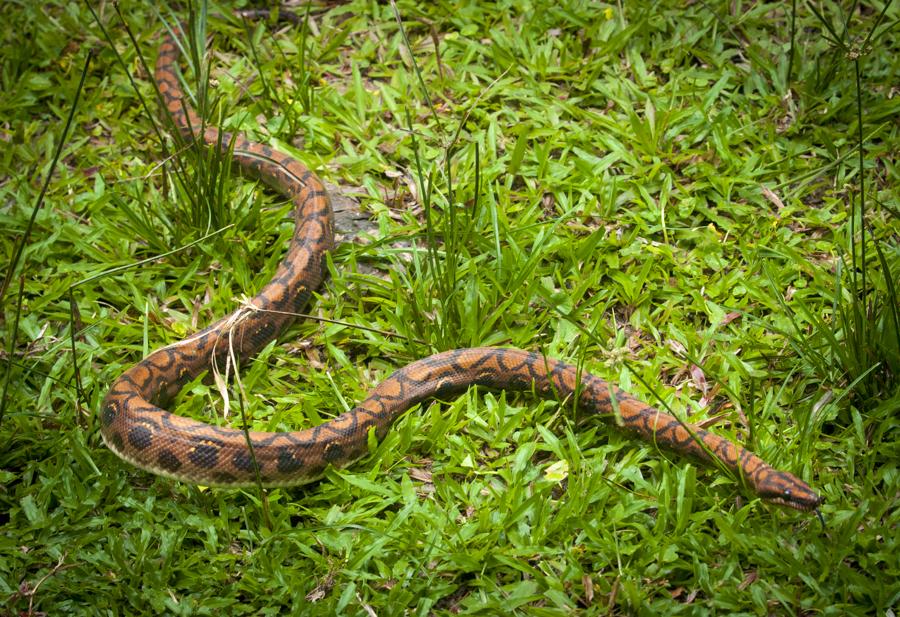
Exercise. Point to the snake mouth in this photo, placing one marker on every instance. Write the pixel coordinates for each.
(796, 504)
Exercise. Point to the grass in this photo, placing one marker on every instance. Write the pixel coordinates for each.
(686, 201)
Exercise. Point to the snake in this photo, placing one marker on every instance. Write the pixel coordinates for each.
(135, 425)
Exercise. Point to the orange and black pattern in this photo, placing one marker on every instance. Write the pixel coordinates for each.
(137, 429)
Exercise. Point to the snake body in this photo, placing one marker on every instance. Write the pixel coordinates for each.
(137, 428)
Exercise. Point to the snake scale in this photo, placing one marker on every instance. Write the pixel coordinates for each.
(137, 428)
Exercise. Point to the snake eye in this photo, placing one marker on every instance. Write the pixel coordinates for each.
(786, 493)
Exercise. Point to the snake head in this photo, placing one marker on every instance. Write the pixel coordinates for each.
(784, 489)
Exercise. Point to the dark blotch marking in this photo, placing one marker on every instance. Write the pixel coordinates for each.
(205, 456)
(287, 462)
(242, 461)
(108, 414)
(140, 437)
(333, 452)
(168, 461)
(519, 382)
(184, 376)
(223, 477)
(264, 331)
(117, 442)
(445, 387)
